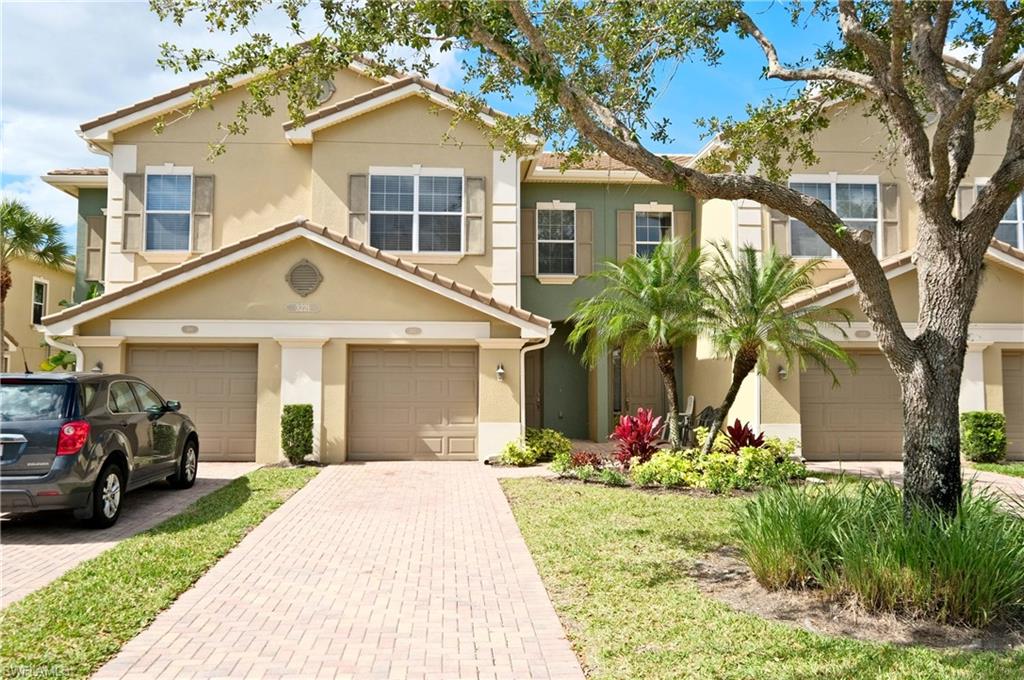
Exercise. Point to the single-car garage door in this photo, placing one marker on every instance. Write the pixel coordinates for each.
(1013, 402)
(216, 387)
(861, 419)
(412, 403)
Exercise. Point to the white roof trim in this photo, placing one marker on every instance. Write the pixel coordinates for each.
(67, 326)
(70, 184)
(1004, 258)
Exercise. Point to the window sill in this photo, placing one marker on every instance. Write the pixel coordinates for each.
(556, 279)
(166, 256)
(429, 258)
(826, 263)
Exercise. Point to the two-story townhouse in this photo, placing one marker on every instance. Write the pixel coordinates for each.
(861, 176)
(571, 222)
(360, 262)
(36, 291)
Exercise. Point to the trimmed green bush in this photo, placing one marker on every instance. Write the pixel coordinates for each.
(718, 471)
(549, 444)
(983, 436)
(665, 468)
(759, 467)
(612, 477)
(297, 432)
(515, 453)
(855, 540)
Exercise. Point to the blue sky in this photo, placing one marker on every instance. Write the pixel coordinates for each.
(67, 62)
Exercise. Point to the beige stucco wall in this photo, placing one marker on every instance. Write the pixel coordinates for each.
(18, 309)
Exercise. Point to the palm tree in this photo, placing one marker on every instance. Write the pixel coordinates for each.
(29, 236)
(746, 318)
(646, 304)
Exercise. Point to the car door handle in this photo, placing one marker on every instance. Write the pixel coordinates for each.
(13, 439)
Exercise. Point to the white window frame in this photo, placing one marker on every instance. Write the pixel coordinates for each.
(833, 179)
(979, 184)
(555, 205)
(38, 281)
(653, 207)
(167, 169)
(418, 171)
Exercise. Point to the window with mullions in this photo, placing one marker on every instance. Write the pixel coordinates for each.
(556, 241)
(412, 213)
(168, 212)
(856, 203)
(652, 227)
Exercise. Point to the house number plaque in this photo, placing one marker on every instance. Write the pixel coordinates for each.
(302, 307)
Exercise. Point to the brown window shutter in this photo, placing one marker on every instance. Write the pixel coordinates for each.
(358, 200)
(682, 224)
(96, 229)
(528, 241)
(134, 207)
(584, 241)
(779, 228)
(202, 213)
(890, 219)
(965, 195)
(625, 234)
(476, 206)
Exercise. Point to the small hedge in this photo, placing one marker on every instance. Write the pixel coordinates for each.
(517, 454)
(297, 432)
(983, 436)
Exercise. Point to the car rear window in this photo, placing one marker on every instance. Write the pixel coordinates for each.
(32, 401)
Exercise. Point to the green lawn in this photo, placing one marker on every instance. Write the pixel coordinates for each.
(614, 563)
(1014, 469)
(72, 626)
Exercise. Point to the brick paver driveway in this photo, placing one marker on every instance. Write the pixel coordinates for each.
(383, 570)
(37, 549)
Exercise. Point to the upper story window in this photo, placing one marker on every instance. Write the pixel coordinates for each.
(40, 291)
(417, 210)
(556, 239)
(854, 199)
(1011, 226)
(653, 224)
(168, 210)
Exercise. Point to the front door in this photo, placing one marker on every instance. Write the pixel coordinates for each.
(642, 386)
(534, 389)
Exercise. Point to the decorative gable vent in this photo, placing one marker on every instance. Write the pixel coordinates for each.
(303, 277)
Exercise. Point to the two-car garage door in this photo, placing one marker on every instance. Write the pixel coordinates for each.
(216, 386)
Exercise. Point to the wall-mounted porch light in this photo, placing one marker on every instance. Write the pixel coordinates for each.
(500, 372)
(783, 373)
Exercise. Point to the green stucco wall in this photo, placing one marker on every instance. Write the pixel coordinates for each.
(90, 202)
(564, 387)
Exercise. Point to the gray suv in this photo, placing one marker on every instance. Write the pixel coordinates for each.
(79, 441)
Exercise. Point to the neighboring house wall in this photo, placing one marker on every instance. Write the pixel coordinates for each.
(91, 226)
(18, 309)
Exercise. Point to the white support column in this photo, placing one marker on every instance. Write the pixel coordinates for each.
(119, 267)
(302, 363)
(505, 228)
(972, 382)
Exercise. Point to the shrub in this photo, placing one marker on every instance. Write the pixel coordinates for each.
(718, 471)
(740, 435)
(665, 468)
(549, 444)
(857, 541)
(585, 459)
(983, 436)
(584, 473)
(721, 441)
(612, 477)
(762, 467)
(637, 436)
(782, 449)
(297, 432)
(515, 453)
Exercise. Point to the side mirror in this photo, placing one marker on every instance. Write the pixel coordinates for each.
(173, 406)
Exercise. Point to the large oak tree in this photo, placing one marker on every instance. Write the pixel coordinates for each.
(594, 67)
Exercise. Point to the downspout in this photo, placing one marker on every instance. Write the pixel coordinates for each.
(522, 378)
(74, 349)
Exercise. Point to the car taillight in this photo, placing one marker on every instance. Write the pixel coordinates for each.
(72, 437)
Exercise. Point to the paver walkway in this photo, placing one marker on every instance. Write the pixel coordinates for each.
(381, 570)
(37, 549)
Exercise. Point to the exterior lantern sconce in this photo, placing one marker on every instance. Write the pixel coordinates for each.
(783, 373)
(98, 368)
(500, 372)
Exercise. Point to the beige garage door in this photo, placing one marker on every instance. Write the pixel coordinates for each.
(412, 403)
(1013, 402)
(216, 387)
(861, 419)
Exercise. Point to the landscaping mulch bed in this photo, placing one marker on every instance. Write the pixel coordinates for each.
(724, 576)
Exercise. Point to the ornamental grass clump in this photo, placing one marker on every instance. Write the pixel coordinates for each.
(856, 540)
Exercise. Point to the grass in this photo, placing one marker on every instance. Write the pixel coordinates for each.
(614, 563)
(69, 628)
(1012, 469)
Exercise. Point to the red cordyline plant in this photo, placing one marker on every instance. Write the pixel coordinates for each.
(584, 458)
(742, 436)
(637, 436)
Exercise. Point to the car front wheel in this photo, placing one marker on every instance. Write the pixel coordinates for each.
(107, 496)
(188, 467)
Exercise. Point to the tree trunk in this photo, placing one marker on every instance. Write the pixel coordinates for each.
(5, 285)
(742, 364)
(667, 365)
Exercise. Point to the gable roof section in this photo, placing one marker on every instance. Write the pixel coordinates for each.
(63, 323)
(897, 265)
(547, 167)
(70, 180)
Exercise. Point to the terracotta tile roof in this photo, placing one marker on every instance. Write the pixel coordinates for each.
(376, 92)
(599, 162)
(345, 241)
(99, 172)
(1005, 247)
